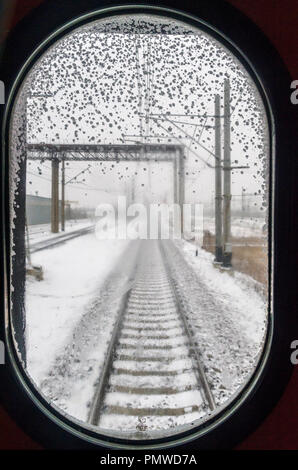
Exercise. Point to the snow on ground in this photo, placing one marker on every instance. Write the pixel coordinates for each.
(70, 384)
(233, 288)
(43, 231)
(187, 398)
(240, 227)
(148, 423)
(229, 319)
(73, 275)
(72, 312)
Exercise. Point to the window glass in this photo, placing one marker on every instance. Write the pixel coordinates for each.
(139, 168)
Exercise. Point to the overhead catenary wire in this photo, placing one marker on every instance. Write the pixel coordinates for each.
(189, 136)
(181, 142)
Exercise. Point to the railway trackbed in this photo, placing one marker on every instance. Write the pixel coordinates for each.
(59, 239)
(152, 378)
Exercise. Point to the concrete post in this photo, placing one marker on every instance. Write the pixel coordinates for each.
(175, 178)
(55, 197)
(227, 252)
(218, 185)
(181, 173)
(63, 197)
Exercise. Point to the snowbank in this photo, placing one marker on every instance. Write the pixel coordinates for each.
(73, 275)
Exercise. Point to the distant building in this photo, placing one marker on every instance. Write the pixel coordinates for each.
(38, 210)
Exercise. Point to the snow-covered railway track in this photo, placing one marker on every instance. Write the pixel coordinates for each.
(152, 378)
(57, 240)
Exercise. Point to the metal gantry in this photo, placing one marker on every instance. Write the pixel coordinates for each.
(59, 153)
(144, 151)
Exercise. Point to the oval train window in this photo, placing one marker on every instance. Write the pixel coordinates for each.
(140, 160)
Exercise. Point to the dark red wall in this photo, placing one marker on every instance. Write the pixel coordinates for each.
(278, 19)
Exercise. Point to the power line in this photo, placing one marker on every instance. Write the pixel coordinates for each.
(38, 176)
(181, 142)
(190, 137)
(87, 187)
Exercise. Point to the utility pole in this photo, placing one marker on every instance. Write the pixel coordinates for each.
(127, 193)
(28, 253)
(55, 196)
(175, 176)
(63, 196)
(242, 201)
(218, 185)
(227, 246)
(133, 196)
(181, 186)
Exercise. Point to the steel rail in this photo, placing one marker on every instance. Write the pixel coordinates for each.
(51, 242)
(97, 403)
(101, 389)
(198, 368)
